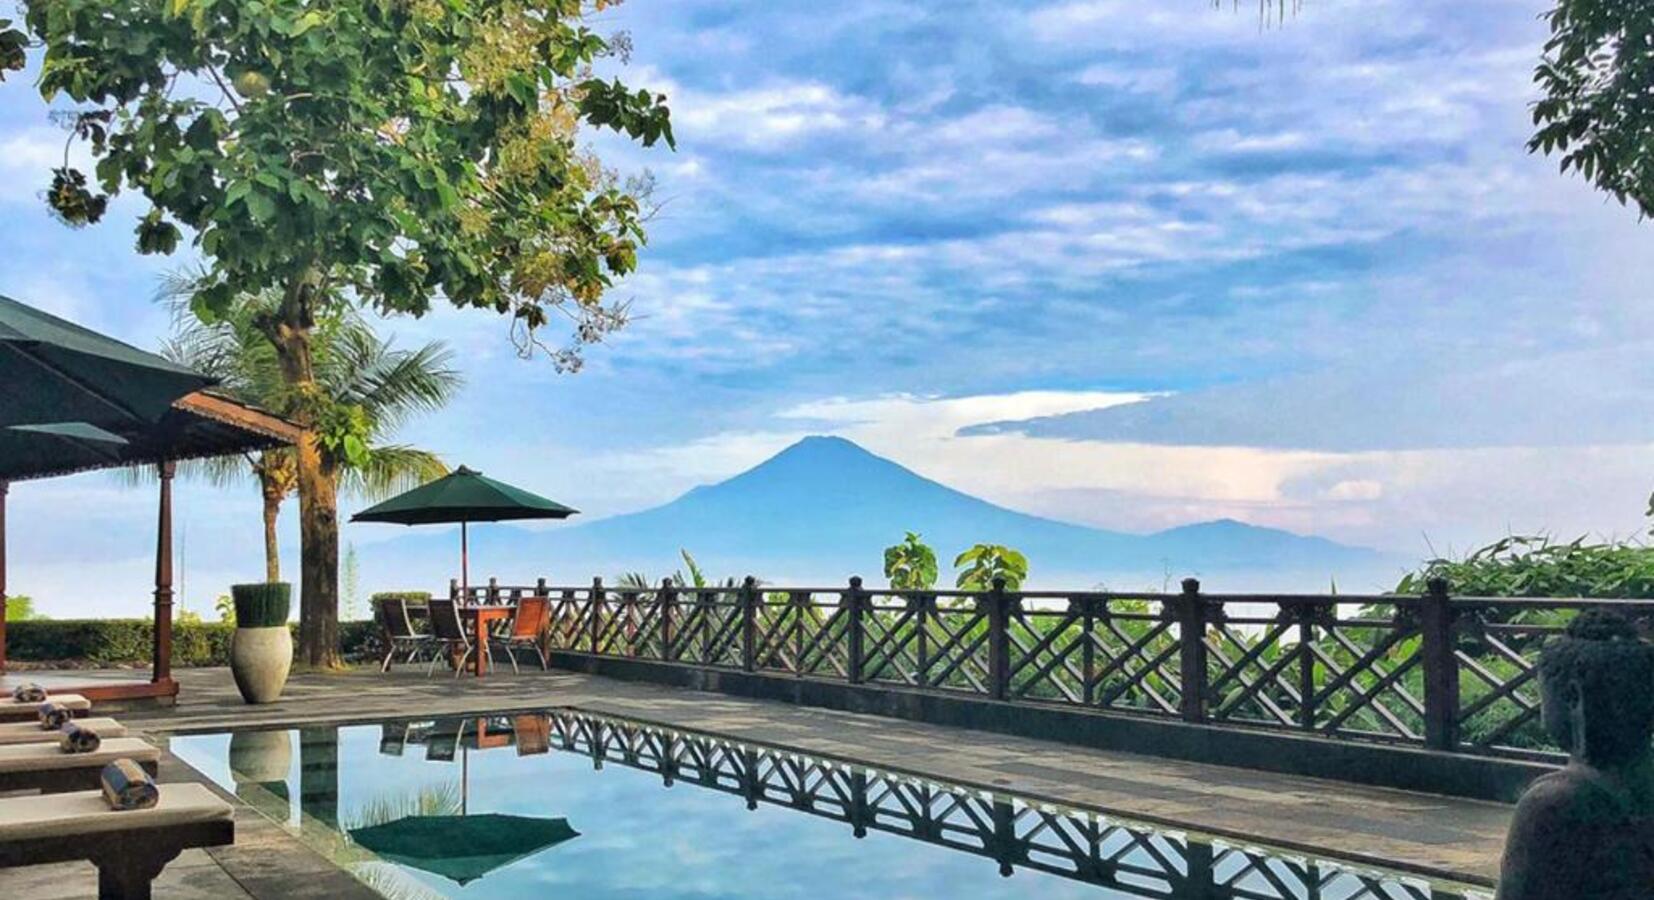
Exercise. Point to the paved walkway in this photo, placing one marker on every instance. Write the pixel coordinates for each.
(1440, 836)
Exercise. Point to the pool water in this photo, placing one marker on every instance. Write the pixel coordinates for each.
(565, 804)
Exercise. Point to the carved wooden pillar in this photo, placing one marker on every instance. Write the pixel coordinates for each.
(5, 488)
(163, 576)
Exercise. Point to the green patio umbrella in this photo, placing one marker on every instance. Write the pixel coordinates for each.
(462, 849)
(58, 372)
(463, 496)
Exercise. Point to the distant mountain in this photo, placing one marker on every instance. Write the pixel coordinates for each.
(824, 509)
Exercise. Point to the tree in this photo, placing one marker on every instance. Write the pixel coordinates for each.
(20, 607)
(350, 576)
(1597, 105)
(985, 562)
(377, 152)
(910, 565)
(365, 389)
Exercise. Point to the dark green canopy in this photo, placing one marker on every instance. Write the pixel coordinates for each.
(198, 425)
(56, 371)
(463, 495)
(462, 848)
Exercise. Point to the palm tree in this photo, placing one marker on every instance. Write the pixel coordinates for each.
(365, 387)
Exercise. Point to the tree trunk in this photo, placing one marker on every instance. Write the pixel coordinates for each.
(319, 559)
(272, 553)
(289, 332)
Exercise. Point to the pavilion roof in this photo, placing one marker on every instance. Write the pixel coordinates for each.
(201, 424)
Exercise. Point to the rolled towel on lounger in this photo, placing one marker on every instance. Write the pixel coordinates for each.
(77, 738)
(29, 693)
(127, 786)
(53, 716)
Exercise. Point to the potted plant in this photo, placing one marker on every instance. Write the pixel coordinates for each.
(261, 651)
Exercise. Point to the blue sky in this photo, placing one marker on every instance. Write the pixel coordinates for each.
(1127, 264)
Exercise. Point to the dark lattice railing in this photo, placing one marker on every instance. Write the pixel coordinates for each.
(1450, 673)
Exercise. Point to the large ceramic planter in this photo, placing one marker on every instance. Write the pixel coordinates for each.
(261, 651)
(257, 757)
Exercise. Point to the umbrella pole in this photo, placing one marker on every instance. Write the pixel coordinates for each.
(464, 562)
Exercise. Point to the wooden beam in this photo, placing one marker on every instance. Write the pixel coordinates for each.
(163, 576)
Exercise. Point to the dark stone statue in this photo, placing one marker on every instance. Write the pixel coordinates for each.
(1587, 831)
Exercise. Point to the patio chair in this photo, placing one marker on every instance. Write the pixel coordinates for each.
(129, 848)
(400, 634)
(448, 633)
(46, 768)
(533, 733)
(393, 738)
(14, 711)
(32, 733)
(528, 625)
(443, 743)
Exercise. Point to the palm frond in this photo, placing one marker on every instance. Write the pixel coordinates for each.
(425, 800)
(391, 469)
(219, 471)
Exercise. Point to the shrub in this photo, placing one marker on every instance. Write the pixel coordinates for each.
(263, 605)
(126, 642)
(407, 596)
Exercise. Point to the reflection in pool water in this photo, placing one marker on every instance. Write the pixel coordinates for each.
(567, 804)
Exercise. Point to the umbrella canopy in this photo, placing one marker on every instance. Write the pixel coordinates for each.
(463, 495)
(56, 371)
(462, 849)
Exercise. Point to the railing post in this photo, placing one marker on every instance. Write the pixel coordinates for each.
(749, 623)
(857, 610)
(1441, 668)
(999, 642)
(595, 624)
(493, 591)
(1191, 628)
(540, 589)
(668, 598)
(453, 589)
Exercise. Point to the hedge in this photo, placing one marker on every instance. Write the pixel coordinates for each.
(116, 642)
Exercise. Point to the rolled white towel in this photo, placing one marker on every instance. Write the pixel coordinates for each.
(127, 786)
(28, 692)
(53, 716)
(77, 738)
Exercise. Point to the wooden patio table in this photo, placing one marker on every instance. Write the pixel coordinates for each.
(479, 616)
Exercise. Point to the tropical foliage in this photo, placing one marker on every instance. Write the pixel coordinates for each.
(690, 576)
(353, 153)
(982, 564)
(1596, 109)
(20, 607)
(1538, 566)
(910, 565)
(364, 390)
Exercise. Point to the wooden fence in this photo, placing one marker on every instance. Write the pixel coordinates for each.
(1445, 672)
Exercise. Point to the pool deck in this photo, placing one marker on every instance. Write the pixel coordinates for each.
(1440, 836)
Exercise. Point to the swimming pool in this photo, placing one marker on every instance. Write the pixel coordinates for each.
(561, 803)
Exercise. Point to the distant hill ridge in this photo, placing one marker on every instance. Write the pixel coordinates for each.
(824, 508)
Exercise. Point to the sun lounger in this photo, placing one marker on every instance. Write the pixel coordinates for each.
(129, 848)
(47, 768)
(13, 711)
(32, 733)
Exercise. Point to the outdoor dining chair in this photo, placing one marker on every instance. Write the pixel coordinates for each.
(400, 634)
(528, 625)
(448, 634)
